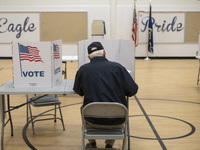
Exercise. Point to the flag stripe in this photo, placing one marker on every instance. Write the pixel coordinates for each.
(56, 51)
(29, 53)
(134, 26)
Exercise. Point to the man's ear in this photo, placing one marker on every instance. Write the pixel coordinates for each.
(89, 57)
(104, 53)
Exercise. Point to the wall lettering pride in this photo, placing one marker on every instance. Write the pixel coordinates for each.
(167, 27)
(172, 26)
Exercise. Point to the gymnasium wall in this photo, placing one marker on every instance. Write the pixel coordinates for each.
(118, 17)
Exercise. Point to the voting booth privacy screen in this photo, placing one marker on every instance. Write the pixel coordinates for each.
(37, 64)
(121, 51)
(56, 62)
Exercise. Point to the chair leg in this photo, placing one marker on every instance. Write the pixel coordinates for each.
(55, 114)
(28, 110)
(124, 145)
(27, 113)
(128, 127)
(9, 114)
(61, 117)
(198, 74)
(128, 134)
(83, 140)
(56, 96)
(31, 117)
(198, 77)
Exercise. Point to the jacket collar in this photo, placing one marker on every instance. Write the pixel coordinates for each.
(99, 58)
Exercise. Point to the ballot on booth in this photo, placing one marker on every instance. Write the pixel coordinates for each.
(37, 64)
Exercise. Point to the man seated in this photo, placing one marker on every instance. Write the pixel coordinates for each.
(101, 80)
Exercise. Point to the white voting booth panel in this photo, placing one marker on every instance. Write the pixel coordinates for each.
(57, 62)
(37, 64)
(121, 51)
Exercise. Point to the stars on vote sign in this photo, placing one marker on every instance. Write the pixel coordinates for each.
(37, 64)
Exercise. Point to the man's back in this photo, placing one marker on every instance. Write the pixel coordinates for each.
(104, 81)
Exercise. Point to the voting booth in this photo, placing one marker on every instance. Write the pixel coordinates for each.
(37, 64)
(121, 51)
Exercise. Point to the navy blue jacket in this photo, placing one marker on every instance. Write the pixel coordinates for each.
(104, 81)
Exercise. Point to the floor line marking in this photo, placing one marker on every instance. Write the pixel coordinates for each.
(151, 125)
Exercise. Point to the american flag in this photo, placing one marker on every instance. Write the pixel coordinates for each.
(56, 51)
(134, 26)
(29, 53)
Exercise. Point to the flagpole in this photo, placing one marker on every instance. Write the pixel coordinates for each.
(20, 62)
(147, 58)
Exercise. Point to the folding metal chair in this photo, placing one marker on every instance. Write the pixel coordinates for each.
(105, 110)
(42, 101)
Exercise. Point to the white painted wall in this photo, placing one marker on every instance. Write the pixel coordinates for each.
(124, 25)
(117, 15)
(100, 12)
(97, 2)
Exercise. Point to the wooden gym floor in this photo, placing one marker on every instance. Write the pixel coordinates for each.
(165, 114)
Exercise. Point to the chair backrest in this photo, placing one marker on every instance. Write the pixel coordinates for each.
(105, 110)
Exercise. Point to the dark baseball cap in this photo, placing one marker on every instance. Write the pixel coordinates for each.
(95, 46)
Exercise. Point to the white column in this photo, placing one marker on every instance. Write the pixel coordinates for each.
(113, 5)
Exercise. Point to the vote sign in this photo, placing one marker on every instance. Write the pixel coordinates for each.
(35, 64)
